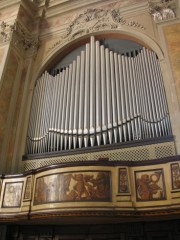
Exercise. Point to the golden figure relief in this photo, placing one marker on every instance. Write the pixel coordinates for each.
(150, 186)
(79, 186)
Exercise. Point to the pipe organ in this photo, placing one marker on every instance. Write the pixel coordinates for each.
(103, 97)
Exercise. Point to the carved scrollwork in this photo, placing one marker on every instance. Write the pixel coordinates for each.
(94, 20)
(162, 10)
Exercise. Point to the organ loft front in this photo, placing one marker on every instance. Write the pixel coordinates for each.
(89, 120)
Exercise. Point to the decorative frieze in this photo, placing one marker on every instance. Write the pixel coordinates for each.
(94, 20)
(162, 10)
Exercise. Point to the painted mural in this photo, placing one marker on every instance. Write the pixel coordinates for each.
(150, 185)
(175, 174)
(123, 181)
(76, 186)
(27, 194)
(12, 195)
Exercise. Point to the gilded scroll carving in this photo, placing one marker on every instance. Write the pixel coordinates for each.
(94, 20)
(162, 10)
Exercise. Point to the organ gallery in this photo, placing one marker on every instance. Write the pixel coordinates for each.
(89, 120)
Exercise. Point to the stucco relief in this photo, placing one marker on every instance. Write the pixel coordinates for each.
(162, 10)
(19, 36)
(94, 20)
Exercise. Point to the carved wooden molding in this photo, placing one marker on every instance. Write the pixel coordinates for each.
(94, 20)
(162, 10)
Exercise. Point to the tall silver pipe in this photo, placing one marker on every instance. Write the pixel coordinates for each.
(76, 103)
(118, 95)
(66, 127)
(114, 97)
(122, 94)
(92, 91)
(86, 100)
(109, 95)
(71, 117)
(81, 100)
(103, 95)
(98, 95)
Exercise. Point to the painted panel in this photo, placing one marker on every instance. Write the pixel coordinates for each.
(27, 193)
(123, 181)
(150, 185)
(12, 195)
(73, 186)
(175, 176)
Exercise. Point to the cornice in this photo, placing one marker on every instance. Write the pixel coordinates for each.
(8, 3)
(63, 7)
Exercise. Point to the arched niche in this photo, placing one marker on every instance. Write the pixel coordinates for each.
(64, 47)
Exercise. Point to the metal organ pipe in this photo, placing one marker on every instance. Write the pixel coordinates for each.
(101, 98)
(98, 94)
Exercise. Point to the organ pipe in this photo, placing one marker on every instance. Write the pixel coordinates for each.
(102, 97)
